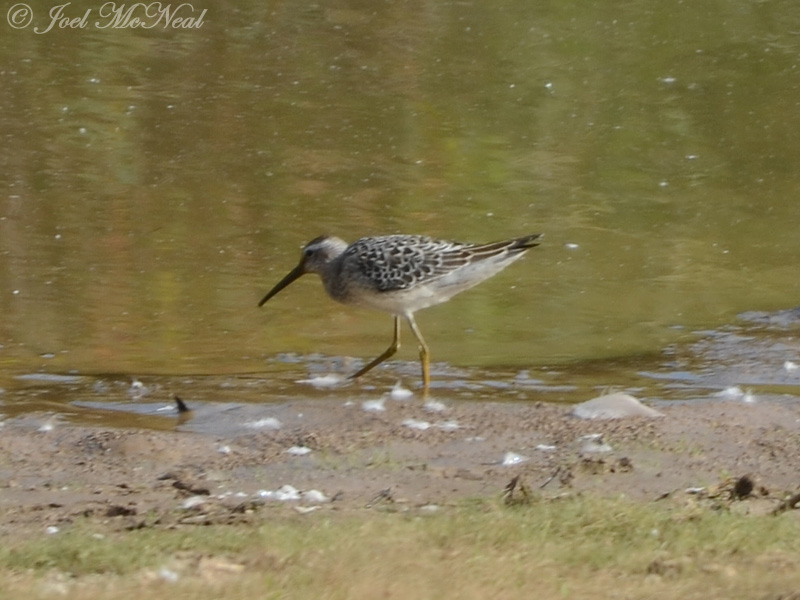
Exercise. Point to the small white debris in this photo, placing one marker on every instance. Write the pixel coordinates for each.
(228, 494)
(571, 246)
(287, 492)
(315, 497)
(732, 392)
(266, 423)
(789, 366)
(448, 425)
(224, 449)
(304, 510)
(416, 424)
(169, 575)
(284, 494)
(52, 530)
(696, 490)
(298, 450)
(400, 393)
(613, 406)
(193, 502)
(430, 508)
(593, 443)
(545, 447)
(137, 389)
(512, 458)
(48, 425)
(374, 405)
(668, 80)
(323, 381)
(434, 406)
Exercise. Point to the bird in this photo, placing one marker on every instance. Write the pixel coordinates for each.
(400, 275)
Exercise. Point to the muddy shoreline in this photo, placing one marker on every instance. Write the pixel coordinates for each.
(409, 456)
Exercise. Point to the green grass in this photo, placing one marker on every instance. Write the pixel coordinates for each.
(576, 547)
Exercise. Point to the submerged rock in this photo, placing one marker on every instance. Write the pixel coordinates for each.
(781, 319)
(613, 406)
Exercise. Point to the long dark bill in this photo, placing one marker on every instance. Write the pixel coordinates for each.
(295, 273)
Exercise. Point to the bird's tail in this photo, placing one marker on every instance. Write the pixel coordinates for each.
(526, 242)
(514, 246)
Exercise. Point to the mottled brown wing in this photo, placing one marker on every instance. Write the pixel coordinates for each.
(397, 262)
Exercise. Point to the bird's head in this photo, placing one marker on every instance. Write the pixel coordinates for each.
(317, 254)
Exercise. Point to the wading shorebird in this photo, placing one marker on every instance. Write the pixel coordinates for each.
(401, 274)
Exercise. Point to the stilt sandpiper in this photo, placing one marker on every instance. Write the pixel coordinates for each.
(401, 274)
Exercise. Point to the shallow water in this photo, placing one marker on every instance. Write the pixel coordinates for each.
(156, 183)
(745, 363)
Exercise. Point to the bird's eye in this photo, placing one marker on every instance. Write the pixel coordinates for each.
(308, 252)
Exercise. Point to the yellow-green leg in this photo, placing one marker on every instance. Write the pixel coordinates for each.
(424, 355)
(390, 351)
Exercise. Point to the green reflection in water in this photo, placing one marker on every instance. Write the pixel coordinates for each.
(156, 183)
